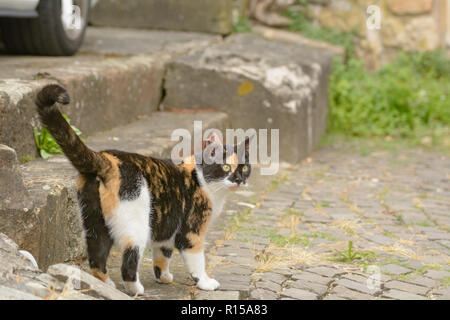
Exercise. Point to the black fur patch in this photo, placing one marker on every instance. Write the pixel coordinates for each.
(166, 252)
(130, 187)
(130, 264)
(157, 271)
(97, 235)
(195, 279)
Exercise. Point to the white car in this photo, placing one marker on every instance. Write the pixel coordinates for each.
(43, 27)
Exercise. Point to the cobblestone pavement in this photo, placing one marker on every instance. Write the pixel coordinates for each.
(337, 226)
(392, 210)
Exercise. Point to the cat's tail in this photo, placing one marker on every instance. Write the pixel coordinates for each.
(83, 159)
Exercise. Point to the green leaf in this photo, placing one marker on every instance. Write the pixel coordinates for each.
(45, 142)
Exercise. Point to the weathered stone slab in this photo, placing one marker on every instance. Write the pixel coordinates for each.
(109, 85)
(298, 294)
(312, 277)
(261, 294)
(346, 293)
(188, 15)
(325, 271)
(16, 207)
(274, 277)
(403, 286)
(21, 280)
(268, 285)
(395, 269)
(353, 285)
(85, 281)
(437, 274)
(233, 282)
(217, 295)
(320, 289)
(402, 295)
(261, 84)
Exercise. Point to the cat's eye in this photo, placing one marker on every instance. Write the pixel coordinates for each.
(226, 168)
(244, 168)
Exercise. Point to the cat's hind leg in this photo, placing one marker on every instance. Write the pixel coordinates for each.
(130, 275)
(98, 247)
(96, 233)
(130, 229)
(161, 261)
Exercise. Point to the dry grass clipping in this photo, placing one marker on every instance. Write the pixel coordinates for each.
(279, 258)
(397, 248)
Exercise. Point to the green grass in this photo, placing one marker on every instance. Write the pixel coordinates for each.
(27, 158)
(445, 282)
(303, 239)
(400, 219)
(293, 212)
(407, 98)
(242, 25)
(45, 142)
(276, 181)
(350, 255)
(395, 145)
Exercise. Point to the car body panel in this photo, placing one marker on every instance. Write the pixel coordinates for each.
(18, 8)
(19, 5)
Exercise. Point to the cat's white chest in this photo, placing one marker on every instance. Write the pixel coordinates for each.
(218, 203)
(218, 200)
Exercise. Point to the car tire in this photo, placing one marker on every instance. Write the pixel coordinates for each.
(45, 34)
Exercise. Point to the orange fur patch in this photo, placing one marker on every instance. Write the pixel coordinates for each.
(81, 181)
(197, 239)
(232, 161)
(109, 191)
(189, 163)
(99, 275)
(196, 242)
(126, 243)
(161, 263)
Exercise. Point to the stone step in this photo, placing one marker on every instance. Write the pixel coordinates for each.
(20, 279)
(192, 15)
(261, 84)
(110, 82)
(50, 229)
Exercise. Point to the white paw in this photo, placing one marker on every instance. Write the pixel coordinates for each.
(109, 282)
(134, 288)
(208, 284)
(166, 277)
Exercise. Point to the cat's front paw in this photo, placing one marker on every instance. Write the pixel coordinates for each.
(134, 288)
(208, 284)
(166, 277)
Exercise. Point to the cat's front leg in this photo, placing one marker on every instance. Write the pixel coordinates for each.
(161, 262)
(195, 263)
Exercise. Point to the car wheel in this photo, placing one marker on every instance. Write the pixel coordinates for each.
(57, 31)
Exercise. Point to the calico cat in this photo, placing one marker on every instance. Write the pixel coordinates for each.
(129, 199)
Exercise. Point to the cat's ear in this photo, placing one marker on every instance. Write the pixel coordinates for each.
(212, 138)
(210, 145)
(245, 145)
